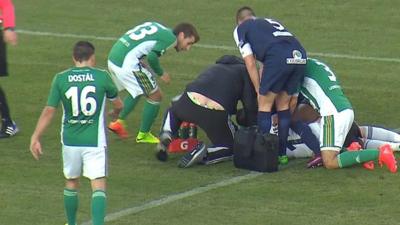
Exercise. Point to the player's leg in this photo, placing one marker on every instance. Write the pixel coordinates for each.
(265, 103)
(99, 200)
(151, 106)
(95, 167)
(284, 118)
(369, 143)
(149, 114)
(379, 133)
(124, 79)
(71, 200)
(299, 151)
(72, 167)
(220, 130)
(169, 129)
(334, 129)
(8, 127)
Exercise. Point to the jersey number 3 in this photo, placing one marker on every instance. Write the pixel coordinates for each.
(86, 104)
(142, 30)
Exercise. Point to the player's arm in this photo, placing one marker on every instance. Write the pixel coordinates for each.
(248, 57)
(158, 50)
(249, 102)
(154, 63)
(112, 95)
(8, 17)
(43, 122)
(251, 67)
(117, 108)
(45, 118)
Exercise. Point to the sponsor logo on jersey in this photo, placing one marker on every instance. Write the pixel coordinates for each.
(72, 121)
(297, 58)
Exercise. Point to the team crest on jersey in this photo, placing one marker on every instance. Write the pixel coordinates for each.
(297, 58)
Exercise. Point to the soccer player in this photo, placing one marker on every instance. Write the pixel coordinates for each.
(209, 101)
(322, 89)
(283, 60)
(149, 40)
(9, 36)
(82, 90)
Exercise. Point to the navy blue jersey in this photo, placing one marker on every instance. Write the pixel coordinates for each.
(261, 34)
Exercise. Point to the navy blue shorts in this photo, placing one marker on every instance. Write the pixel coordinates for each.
(284, 69)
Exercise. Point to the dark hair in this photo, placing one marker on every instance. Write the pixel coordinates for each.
(243, 12)
(82, 51)
(188, 30)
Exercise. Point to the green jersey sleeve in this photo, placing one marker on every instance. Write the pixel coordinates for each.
(54, 95)
(166, 40)
(154, 63)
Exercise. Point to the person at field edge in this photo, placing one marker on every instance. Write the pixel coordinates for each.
(321, 87)
(82, 90)
(125, 62)
(9, 36)
(283, 62)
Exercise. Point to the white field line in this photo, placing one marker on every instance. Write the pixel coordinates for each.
(175, 197)
(207, 46)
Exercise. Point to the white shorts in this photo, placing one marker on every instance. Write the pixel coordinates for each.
(137, 80)
(94, 161)
(333, 130)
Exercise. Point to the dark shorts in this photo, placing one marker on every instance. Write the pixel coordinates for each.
(215, 123)
(281, 71)
(3, 58)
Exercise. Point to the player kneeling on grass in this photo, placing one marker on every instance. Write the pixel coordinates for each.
(208, 102)
(323, 90)
(368, 137)
(82, 90)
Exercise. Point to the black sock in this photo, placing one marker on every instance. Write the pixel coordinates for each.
(283, 130)
(307, 136)
(4, 110)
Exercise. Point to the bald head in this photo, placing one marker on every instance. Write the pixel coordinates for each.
(243, 14)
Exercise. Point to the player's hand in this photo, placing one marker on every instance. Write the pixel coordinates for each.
(165, 78)
(36, 149)
(10, 37)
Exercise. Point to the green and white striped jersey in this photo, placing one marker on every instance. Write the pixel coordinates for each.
(82, 91)
(142, 40)
(322, 88)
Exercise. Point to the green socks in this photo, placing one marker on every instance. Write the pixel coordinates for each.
(129, 105)
(350, 158)
(71, 205)
(98, 207)
(150, 112)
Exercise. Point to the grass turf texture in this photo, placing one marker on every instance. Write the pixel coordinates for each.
(31, 192)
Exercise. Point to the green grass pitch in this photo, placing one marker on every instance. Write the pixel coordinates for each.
(358, 39)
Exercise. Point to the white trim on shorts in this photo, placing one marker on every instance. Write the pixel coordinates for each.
(333, 136)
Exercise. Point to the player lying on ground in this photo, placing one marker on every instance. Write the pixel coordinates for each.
(209, 101)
